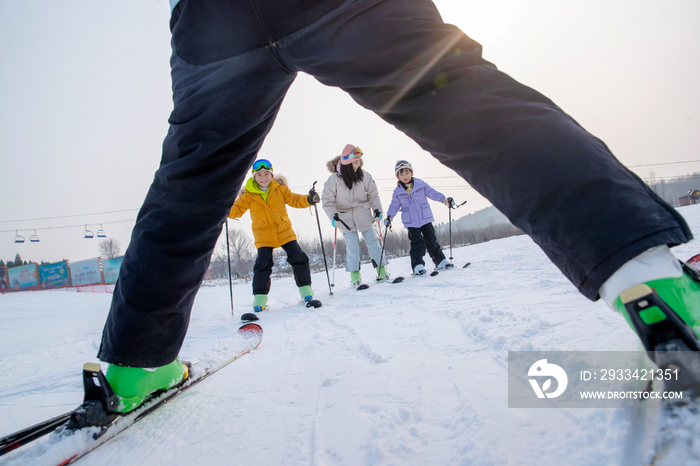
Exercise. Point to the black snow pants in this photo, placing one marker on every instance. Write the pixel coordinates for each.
(423, 239)
(264, 262)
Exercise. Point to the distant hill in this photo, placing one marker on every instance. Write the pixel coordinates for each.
(483, 218)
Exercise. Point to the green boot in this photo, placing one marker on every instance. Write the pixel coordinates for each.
(259, 302)
(133, 384)
(681, 294)
(355, 278)
(665, 314)
(307, 294)
(382, 273)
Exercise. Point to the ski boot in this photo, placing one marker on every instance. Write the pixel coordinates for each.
(121, 390)
(259, 302)
(356, 281)
(419, 270)
(665, 314)
(134, 384)
(444, 264)
(382, 274)
(307, 295)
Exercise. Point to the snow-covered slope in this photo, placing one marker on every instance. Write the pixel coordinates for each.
(406, 374)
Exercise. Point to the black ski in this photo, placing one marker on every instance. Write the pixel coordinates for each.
(252, 317)
(24, 436)
(395, 280)
(95, 410)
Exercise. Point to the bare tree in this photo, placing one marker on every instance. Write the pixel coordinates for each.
(659, 187)
(109, 248)
(241, 244)
(242, 248)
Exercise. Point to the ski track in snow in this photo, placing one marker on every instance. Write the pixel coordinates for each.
(400, 374)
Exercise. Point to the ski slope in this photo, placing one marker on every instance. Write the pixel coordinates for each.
(400, 374)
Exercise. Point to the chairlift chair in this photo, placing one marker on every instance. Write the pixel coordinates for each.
(101, 232)
(34, 238)
(88, 233)
(18, 238)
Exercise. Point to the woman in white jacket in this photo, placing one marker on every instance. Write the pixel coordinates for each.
(351, 200)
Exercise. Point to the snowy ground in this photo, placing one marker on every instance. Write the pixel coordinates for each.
(405, 374)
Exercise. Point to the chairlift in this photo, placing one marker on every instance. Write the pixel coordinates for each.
(101, 232)
(18, 238)
(34, 238)
(88, 233)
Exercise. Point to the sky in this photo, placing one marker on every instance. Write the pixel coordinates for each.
(85, 97)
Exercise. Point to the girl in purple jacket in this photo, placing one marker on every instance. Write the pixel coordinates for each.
(411, 199)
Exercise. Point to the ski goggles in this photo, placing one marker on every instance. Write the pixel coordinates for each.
(400, 164)
(352, 154)
(262, 164)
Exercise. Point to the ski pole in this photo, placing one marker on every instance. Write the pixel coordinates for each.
(381, 257)
(323, 251)
(230, 281)
(335, 242)
(451, 205)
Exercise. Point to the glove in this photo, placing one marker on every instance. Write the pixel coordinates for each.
(387, 222)
(313, 197)
(378, 214)
(449, 202)
(335, 217)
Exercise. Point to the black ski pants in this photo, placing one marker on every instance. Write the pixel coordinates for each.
(264, 262)
(423, 239)
(397, 58)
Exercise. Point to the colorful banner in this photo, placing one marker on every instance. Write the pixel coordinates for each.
(4, 280)
(23, 277)
(52, 275)
(110, 268)
(86, 272)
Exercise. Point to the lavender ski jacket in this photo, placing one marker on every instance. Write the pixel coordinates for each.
(414, 207)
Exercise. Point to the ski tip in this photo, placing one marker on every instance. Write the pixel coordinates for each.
(364, 286)
(397, 280)
(433, 273)
(466, 265)
(250, 328)
(249, 317)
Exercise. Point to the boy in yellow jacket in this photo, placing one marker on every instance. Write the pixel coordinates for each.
(267, 198)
